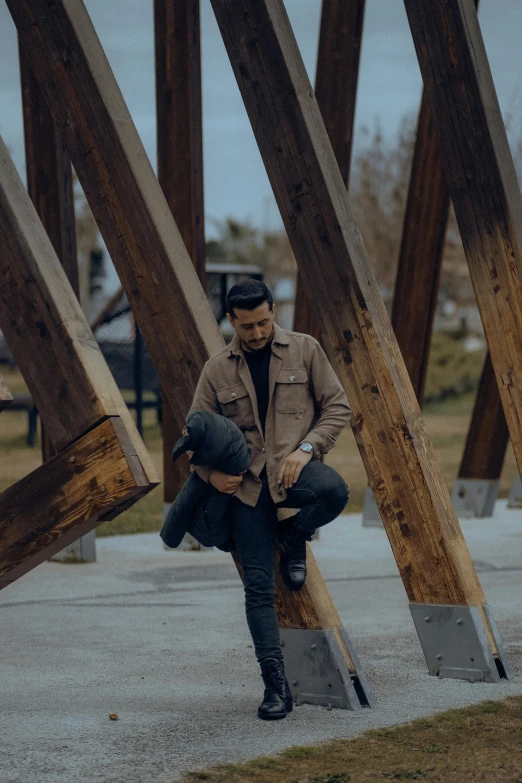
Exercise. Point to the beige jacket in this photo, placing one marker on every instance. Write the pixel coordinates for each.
(306, 403)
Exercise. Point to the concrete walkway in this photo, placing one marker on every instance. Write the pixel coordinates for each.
(160, 638)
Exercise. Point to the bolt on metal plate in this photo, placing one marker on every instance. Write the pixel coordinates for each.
(454, 642)
(317, 672)
(474, 497)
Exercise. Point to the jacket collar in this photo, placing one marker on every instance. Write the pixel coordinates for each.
(280, 338)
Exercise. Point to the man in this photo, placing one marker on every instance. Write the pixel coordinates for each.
(283, 394)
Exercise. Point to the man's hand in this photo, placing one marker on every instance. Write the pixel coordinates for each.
(225, 483)
(292, 467)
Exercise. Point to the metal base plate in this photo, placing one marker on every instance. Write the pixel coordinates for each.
(515, 496)
(455, 645)
(317, 672)
(371, 516)
(502, 663)
(474, 497)
(82, 551)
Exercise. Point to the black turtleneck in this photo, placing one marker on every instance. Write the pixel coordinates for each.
(259, 365)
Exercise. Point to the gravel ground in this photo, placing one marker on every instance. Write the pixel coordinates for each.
(159, 638)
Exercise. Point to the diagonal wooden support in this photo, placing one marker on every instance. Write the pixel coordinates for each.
(476, 488)
(50, 186)
(424, 532)
(131, 211)
(420, 262)
(180, 172)
(482, 180)
(154, 267)
(337, 74)
(93, 478)
(49, 174)
(5, 395)
(46, 330)
(52, 343)
(474, 492)
(336, 78)
(420, 256)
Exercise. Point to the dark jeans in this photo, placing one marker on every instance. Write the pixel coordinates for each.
(321, 494)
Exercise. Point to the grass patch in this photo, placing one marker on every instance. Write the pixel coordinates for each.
(482, 743)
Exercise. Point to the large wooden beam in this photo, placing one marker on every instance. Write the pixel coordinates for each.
(476, 488)
(336, 78)
(482, 181)
(49, 184)
(488, 433)
(337, 72)
(6, 397)
(424, 532)
(421, 251)
(420, 257)
(67, 376)
(180, 167)
(413, 312)
(419, 265)
(155, 269)
(49, 173)
(45, 327)
(131, 211)
(68, 496)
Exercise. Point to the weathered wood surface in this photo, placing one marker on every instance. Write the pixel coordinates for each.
(420, 521)
(415, 299)
(131, 211)
(49, 174)
(179, 115)
(49, 184)
(420, 258)
(46, 329)
(336, 78)
(421, 252)
(481, 178)
(67, 496)
(156, 271)
(180, 165)
(488, 433)
(337, 73)
(6, 397)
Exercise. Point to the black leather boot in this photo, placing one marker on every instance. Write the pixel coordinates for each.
(277, 700)
(293, 556)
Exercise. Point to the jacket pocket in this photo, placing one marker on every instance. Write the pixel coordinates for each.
(235, 404)
(291, 391)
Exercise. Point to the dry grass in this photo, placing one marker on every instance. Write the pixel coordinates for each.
(477, 744)
(447, 425)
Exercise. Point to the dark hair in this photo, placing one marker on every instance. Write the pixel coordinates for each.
(248, 295)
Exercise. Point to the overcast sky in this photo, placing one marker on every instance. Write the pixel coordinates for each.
(235, 180)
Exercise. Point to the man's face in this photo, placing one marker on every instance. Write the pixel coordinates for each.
(254, 327)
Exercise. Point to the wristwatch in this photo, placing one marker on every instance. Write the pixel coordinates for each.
(307, 447)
